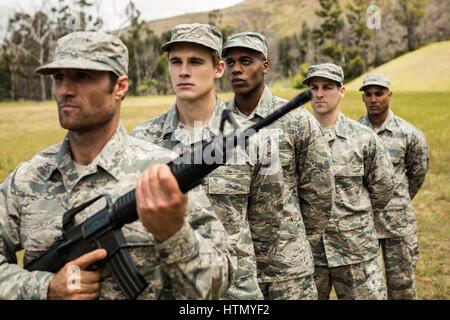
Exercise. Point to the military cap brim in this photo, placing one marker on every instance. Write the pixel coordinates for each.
(166, 47)
(374, 84)
(79, 63)
(325, 75)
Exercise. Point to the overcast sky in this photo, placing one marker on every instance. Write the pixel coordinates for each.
(112, 11)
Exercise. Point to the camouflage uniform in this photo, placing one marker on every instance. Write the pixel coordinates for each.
(396, 223)
(302, 188)
(229, 187)
(196, 261)
(346, 251)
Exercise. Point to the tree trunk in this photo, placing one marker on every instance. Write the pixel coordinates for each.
(13, 84)
(410, 37)
(42, 78)
(138, 73)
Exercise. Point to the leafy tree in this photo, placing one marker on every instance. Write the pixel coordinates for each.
(286, 60)
(5, 75)
(30, 42)
(356, 65)
(134, 42)
(160, 79)
(69, 16)
(297, 82)
(328, 35)
(360, 34)
(409, 13)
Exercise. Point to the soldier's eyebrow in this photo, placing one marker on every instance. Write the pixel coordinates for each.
(196, 59)
(174, 59)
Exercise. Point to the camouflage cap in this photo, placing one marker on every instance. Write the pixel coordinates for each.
(251, 40)
(376, 79)
(203, 34)
(325, 70)
(89, 51)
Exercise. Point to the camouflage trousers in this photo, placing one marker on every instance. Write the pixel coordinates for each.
(400, 257)
(295, 289)
(360, 281)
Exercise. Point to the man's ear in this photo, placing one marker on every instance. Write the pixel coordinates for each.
(342, 92)
(220, 69)
(265, 66)
(121, 87)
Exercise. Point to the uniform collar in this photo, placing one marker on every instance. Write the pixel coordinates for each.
(263, 108)
(388, 124)
(173, 126)
(109, 159)
(340, 127)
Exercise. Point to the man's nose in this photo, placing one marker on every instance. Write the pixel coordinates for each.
(185, 70)
(318, 93)
(237, 68)
(65, 87)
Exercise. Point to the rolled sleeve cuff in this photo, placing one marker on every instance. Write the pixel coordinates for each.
(181, 246)
(40, 285)
(47, 277)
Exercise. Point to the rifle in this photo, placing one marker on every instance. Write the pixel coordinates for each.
(103, 229)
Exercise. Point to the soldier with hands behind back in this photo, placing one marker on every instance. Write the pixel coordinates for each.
(396, 223)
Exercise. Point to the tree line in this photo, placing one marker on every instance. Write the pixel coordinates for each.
(342, 36)
(352, 36)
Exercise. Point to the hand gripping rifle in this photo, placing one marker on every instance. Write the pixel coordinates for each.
(103, 229)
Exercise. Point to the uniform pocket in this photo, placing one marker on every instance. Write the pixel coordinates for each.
(349, 183)
(353, 222)
(348, 170)
(358, 237)
(41, 224)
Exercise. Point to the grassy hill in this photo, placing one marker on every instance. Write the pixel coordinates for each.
(279, 18)
(274, 17)
(426, 69)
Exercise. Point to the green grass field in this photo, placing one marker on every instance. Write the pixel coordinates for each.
(425, 69)
(28, 127)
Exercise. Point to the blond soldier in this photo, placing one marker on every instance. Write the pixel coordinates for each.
(301, 189)
(346, 251)
(396, 223)
(178, 244)
(194, 64)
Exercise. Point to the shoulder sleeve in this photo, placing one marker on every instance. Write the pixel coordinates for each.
(149, 130)
(417, 161)
(15, 282)
(378, 172)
